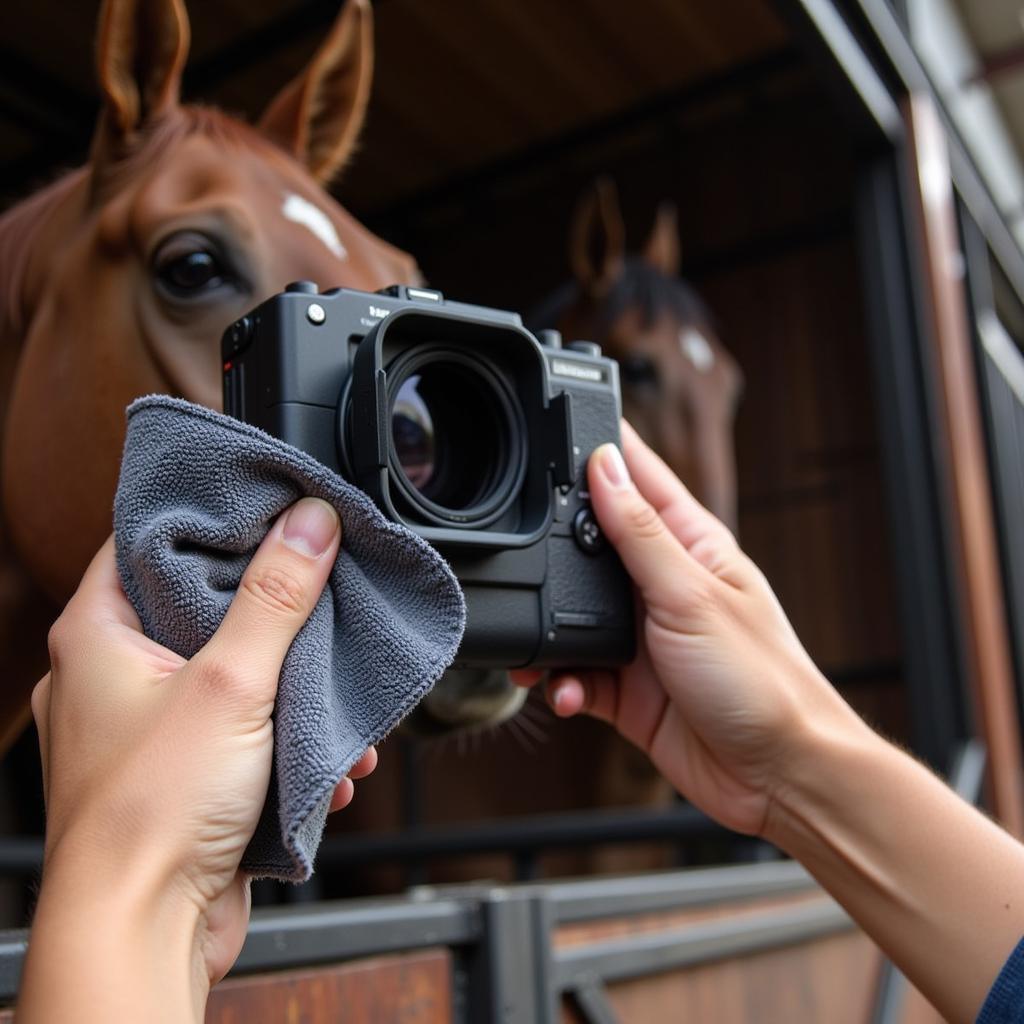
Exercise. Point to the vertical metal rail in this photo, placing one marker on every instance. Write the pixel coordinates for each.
(932, 653)
(961, 443)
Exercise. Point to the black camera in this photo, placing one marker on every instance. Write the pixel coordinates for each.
(460, 424)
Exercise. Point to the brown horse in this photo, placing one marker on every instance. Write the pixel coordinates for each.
(119, 279)
(680, 386)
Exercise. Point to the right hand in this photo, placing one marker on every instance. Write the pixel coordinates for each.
(721, 696)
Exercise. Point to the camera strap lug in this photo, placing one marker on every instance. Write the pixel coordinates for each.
(561, 454)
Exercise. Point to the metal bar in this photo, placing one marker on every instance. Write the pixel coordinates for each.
(961, 447)
(968, 772)
(932, 653)
(300, 935)
(593, 1004)
(893, 44)
(636, 955)
(24, 854)
(510, 835)
(510, 970)
(827, 30)
(589, 899)
(13, 945)
(21, 855)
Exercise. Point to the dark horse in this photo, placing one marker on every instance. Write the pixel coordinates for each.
(680, 386)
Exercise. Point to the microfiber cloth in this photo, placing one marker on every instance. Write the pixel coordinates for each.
(197, 493)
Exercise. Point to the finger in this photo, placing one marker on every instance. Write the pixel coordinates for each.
(658, 563)
(589, 693)
(343, 793)
(365, 765)
(277, 593)
(41, 714)
(526, 677)
(687, 519)
(655, 481)
(99, 597)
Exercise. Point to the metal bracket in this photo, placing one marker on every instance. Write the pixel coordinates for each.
(591, 999)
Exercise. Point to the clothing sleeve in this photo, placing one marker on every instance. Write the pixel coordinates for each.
(1004, 1003)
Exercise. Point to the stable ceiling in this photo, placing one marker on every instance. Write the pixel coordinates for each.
(459, 84)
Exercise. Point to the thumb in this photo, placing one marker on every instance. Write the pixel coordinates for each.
(278, 592)
(656, 560)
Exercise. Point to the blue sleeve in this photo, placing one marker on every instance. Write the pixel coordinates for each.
(1004, 1003)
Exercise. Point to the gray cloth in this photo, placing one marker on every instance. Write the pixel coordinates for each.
(198, 492)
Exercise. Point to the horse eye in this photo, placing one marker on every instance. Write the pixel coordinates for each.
(638, 371)
(188, 267)
(196, 270)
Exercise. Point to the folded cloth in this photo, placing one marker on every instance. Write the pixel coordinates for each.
(198, 492)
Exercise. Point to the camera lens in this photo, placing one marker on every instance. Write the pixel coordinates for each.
(412, 430)
(457, 447)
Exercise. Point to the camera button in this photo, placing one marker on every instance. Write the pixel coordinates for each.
(587, 533)
(585, 348)
(239, 335)
(302, 287)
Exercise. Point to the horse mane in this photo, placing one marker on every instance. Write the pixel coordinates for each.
(17, 227)
(20, 223)
(639, 287)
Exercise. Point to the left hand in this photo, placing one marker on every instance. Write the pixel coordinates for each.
(156, 768)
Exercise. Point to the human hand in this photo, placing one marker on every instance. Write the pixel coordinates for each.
(156, 768)
(721, 696)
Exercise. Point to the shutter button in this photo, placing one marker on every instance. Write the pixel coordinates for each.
(586, 531)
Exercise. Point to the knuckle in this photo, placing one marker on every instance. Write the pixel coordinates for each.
(57, 640)
(643, 521)
(39, 701)
(276, 589)
(217, 676)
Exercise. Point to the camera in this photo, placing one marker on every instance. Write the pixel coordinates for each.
(462, 425)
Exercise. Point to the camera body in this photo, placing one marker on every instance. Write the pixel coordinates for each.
(461, 425)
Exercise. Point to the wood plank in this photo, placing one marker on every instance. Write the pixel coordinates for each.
(414, 988)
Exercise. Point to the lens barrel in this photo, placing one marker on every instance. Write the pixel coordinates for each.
(457, 453)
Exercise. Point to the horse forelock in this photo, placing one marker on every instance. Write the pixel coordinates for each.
(640, 289)
(650, 294)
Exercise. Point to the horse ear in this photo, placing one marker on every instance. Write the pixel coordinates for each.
(597, 238)
(140, 54)
(317, 117)
(662, 249)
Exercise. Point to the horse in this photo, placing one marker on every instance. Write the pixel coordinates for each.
(680, 385)
(118, 280)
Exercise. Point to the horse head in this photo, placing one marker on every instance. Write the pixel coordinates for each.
(119, 279)
(680, 386)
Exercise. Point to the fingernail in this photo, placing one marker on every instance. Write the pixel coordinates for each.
(613, 466)
(310, 526)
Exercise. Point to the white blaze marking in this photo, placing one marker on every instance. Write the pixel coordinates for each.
(696, 348)
(303, 212)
